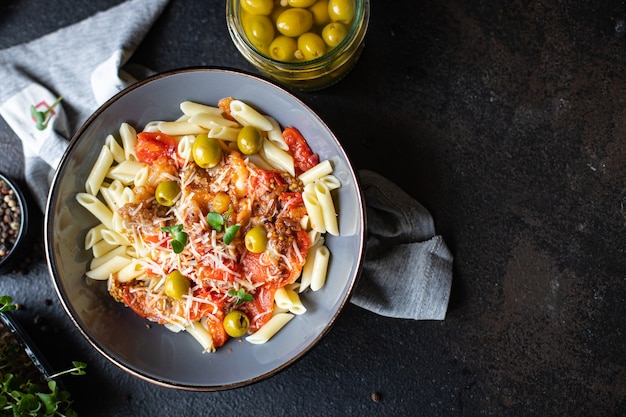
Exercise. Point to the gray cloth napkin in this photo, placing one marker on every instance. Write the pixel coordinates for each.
(84, 63)
(407, 269)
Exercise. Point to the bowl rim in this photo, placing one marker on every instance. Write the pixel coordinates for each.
(6, 260)
(52, 264)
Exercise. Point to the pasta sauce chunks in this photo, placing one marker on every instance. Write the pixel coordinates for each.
(204, 235)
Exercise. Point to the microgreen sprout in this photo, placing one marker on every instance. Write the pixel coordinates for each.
(179, 238)
(241, 295)
(217, 222)
(42, 117)
(230, 233)
(78, 369)
(6, 304)
(20, 383)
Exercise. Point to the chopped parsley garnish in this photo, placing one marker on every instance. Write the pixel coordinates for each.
(241, 295)
(179, 238)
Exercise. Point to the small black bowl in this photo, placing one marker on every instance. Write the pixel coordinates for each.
(12, 246)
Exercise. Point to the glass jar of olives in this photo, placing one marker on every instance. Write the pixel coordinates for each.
(303, 44)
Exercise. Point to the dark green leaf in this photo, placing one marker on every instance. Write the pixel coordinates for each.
(179, 238)
(49, 402)
(230, 233)
(215, 220)
(28, 403)
(6, 303)
(79, 368)
(172, 229)
(177, 246)
(241, 295)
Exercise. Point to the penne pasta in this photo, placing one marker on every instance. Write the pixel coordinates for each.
(202, 335)
(225, 133)
(96, 207)
(316, 237)
(112, 195)
(191, 108)
(184, 147)
(327, 207)
(330, 181)
(321, 257)
(247, 116)
(114, 238)
(296, 307)
(277, 158)
(180, 128)
(128, 134)
(152, 126)
(141, 178)
(113, 265)
(275, 135)
(266, 332)
(307, 271)
(102, 248)
(99, 171)
(116, 149)
(282, 300)
(258, 160)
(118, 251)
(212, 121)
(318, 171)
(131, 271)
(117, 223)
(314, 210)
(93, 236)
(125, 171)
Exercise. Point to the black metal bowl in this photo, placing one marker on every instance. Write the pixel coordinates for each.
(13, 223)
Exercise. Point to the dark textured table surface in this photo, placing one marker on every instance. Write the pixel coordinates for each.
(507, 120)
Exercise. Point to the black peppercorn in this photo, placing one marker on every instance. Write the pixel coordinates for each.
(11, 218)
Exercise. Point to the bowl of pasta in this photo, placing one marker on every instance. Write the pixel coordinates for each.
(204, 229)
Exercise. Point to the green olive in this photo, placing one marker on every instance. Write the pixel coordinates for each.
(166, 193)
(341, 10)
(262, 7)
(333, 33)
(320, 12)
(236, 323)
(301, 3)
(294, 22)
(259, 30)
(221, 202)
(278, 9)
(249, 140)
(283, 48)
(311, 45)
(206, 151)
(256, 239)
(176, 284)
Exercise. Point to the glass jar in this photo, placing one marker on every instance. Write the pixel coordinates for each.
(308, 75)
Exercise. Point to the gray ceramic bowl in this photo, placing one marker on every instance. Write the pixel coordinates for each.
(154, 353)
